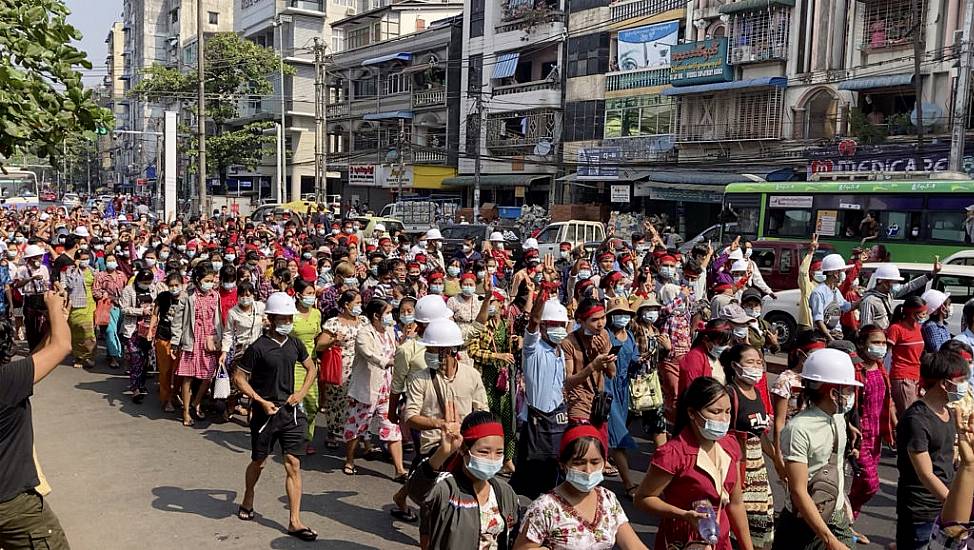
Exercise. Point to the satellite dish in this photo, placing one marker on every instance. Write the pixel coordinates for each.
(543, 148)
(932, 113)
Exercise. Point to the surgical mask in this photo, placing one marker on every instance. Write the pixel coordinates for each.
(245, 301)
(306, 255)
(468, 290)
(206, 287)
(349, 230)
(584, 274)
(351, 281)
(818, 277)
(407, 319)
(557, 334)
(230, 257)
(582, 481)
(740, 332)
(714, 429)
(620, 290)
(484, 469)
(453, 271)
(436, 289)
(845, 403)
(749, 375)
(842, 276)
(620, 321)
(163, 256)
(748, 252)
(896, 288)
(284, 329)
(959, 391)
(111, 265)
(357, 310)
(667, 272)
(499, 246)
(753, 312)
(230, 286)
(481, 274)
(467, 248)
(176, 291)
(716, 351)
(217, 266)
(308, 301)
(876, 351)
(374, 270)
(395, 303)
(326, 269)
(150, 262)
(388, 320)
(650, 316)
(191, 253)
(432, 360)
(565, 254)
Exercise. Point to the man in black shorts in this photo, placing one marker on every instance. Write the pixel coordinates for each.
(266, 376)
(26, 519)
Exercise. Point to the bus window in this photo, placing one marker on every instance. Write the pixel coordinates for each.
(789, 222)
(747, 221)
(900, 226)
(946, 216)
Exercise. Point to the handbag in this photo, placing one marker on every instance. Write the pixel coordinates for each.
(601, 400)
(645, 391)
(331, 366)
(210, 345)
(103, 312)
(221, 385)
(824, 485)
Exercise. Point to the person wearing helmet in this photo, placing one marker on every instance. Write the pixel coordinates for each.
(33, 280)
(434, 250)
(265, 374)
(813, 446)
(876, 306)
(935, 331)
(543, 368)
(826, 302)
(925, 436)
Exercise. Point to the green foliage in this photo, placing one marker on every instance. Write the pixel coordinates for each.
(866, 132)
(42, 98)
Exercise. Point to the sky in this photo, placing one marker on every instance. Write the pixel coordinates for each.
(94, 18)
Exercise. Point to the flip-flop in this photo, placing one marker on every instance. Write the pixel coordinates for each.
(305, 534)
(401, 478)
(350, 470)
(246, 514)
(406, 515)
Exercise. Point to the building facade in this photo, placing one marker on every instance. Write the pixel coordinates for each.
(113, 94)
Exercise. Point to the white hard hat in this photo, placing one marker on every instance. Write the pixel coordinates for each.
(45, 216)
(834, 262)
(280, 303)
(555, 312)
(530, 243)
(830, 366)
(81, 231)
(442, 333)
(496, 236)
(934, 299)
(379, 227)
(433, 234)
(888, 272)
(33, 250)
(432, 307)
(736, 255)
(739, 265)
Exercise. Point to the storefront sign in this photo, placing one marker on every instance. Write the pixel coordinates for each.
(619, 193)
(700, 62)
(389, 176)
(883, 158)
(647, 47)
(799, 201)
(599, 163)
(361, 174)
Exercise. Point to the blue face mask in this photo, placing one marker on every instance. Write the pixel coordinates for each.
(357, 310)
(620, 290)
(582, 481)
(436, 289)
(716, 351)
(407, 319)
(584, 274)
(484, 469)
(714, 429)
(388, 320)
(351, 281)
(468, 290)
(620, 321)
(453, 271)
(557, 334)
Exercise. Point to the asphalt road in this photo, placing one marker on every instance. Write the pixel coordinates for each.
(128, 476)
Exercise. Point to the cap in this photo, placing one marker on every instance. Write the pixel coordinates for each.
(888, 272)
(496, 236)
(649, 301)
(531, 244)
(434, 234)
(735, 314)
(619, 305)
(81, 231)
(834, 262)
(934, 299)
(33, 250)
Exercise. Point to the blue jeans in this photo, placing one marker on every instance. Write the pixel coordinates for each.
(912, 535)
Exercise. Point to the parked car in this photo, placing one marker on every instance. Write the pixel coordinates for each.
(778, 261)
(48, 195)
(573, 231)
(419, 216)
(368, 224)
(964, 257)
(711, 234)
(454, 235)
(955, 280)
(70, 200)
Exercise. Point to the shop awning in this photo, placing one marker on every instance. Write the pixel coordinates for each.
(877, 81)
(624, 175)
(754, 5)
(401, 56)
(496, 180)
(763, 82)
(387, 115)
(683, 192)
(506, 65)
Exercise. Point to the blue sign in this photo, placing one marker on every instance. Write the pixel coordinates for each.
(599, 163)
(647, 47)
(701, 62)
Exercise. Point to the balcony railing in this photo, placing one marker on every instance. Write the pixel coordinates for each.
(520, 133)
(640, 78)
(430, 98)
(534, 20)
(628, 9)
(336, 110)
(690, 133)
(546, 84)
(429, 157)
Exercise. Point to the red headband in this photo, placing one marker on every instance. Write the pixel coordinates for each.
(967, 356)
(586, 313)
(481, 431)
(498, 296)
(914, 309)
(467, 276)
(607, 255)
(812, 346)
(579, 431)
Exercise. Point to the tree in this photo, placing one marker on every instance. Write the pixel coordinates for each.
(42, 97)
(234, 68)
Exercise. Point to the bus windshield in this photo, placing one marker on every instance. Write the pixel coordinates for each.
(18, 187)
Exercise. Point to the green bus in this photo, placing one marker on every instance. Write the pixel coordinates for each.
(914, 219)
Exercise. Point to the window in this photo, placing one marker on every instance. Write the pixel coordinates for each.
(476, 18)
(174, 16)
(588, 54)
(961, 289)
(358, 37)
(337, 39)
(549, 235)
(583, 120)
(389, 26)
(214, 17)
(644, 115)
(396, 83)
(946, 216)
(363, 88)
(475, 74)
(889, 23)
(788, 222)
(570, 232)
(758, 36)
(763, 258)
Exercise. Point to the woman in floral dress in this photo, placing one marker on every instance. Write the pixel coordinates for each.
(340, 330)
(197, 336)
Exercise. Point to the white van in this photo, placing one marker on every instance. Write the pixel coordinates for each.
(573, 231)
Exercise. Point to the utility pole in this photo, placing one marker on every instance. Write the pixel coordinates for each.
(321, 143)
(201, 115)
(959, 128)
(476, 158)
(918, 29)
(282, 178)
(402, 154)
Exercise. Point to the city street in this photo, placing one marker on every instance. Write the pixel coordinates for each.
(127, 476)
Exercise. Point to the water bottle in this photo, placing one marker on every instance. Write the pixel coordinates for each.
(708, 527)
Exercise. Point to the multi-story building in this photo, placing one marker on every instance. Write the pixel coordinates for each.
(393, 117)
(114, 94)
(289, 27)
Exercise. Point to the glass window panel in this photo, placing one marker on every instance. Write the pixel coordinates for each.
(613, 124)
(946, 226)
(961, 289)
(950, 203)
(893, 202)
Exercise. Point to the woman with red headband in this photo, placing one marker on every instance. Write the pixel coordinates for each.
(465, 506)
(702, 360)
(579, 513)
(905, 339)
(697, 473)
(465, 305)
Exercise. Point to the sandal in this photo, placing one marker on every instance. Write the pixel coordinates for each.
(610, 471)
(246, 514)
(188, 422)
(401, 478)
(305, 534)
(350, 470)
(631, 491)
(406, 515)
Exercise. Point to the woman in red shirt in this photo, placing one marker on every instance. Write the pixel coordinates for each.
(701, 360)
(906, 343)
(681, 482)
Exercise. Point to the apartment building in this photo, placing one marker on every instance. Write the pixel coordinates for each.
(393, 110)
(113, 94)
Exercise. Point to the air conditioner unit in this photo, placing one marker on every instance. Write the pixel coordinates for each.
(740, 54)
(349, 12)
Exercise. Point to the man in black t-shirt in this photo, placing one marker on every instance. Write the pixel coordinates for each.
(66, 259)
(925, 441)
(265, 374)
(26, 519)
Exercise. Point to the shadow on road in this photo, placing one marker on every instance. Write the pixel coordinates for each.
(234, 441)
(287, 543)
(113, 390)
(208, 503)
(370, 520)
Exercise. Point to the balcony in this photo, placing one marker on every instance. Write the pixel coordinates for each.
(307, 5)
(639, 78)
(528, 22)
(537, 85)
(429, 98)
(628, 9)
(739, 115)
(521, 133)
(429, 157)
(337, 110)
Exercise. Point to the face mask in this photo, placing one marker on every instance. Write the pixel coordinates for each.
(111, 266)
(436, 289)
(432, 360)
(620, 321)
(499, 246)
(818, 277)
(484, 469)
(481, 274)
(453, 271)
(308, 301)
(584, 274)
(753, 312)
(557, 334)
(284, 329)
(388, 320)
(407, 319)
(176, 291)
(717, 350)
(230, 257)
(468, 290)
(583, 482)
(163, 256)
(896, 288)
(306, 255)
(246, 301)
(842, 276)
(349, 230)
(565, 254)
(351, 281)
(667, 272)
(83, 263)
(491, 270)
(876, 351)
(150, 262)
(335, 231)
(230, 286)
(492, 310)
(191, 253)
(11, 254)
(206, 287)
(714, 429)
(740, 332)
(467, 248)
(357, 310)
(748, 252)
(326, 269)
(217, 266)
(749, 375)
(959, 391)
(374, 270)
(845, 403)
(650, 316)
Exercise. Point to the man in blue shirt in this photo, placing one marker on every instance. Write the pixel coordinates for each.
(826, 301)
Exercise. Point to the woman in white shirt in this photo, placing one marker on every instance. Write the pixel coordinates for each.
(244, 325)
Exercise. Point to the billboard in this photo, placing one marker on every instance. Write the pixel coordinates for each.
(701, 62)
(362, 174)
(598, 163)
(647, 47)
